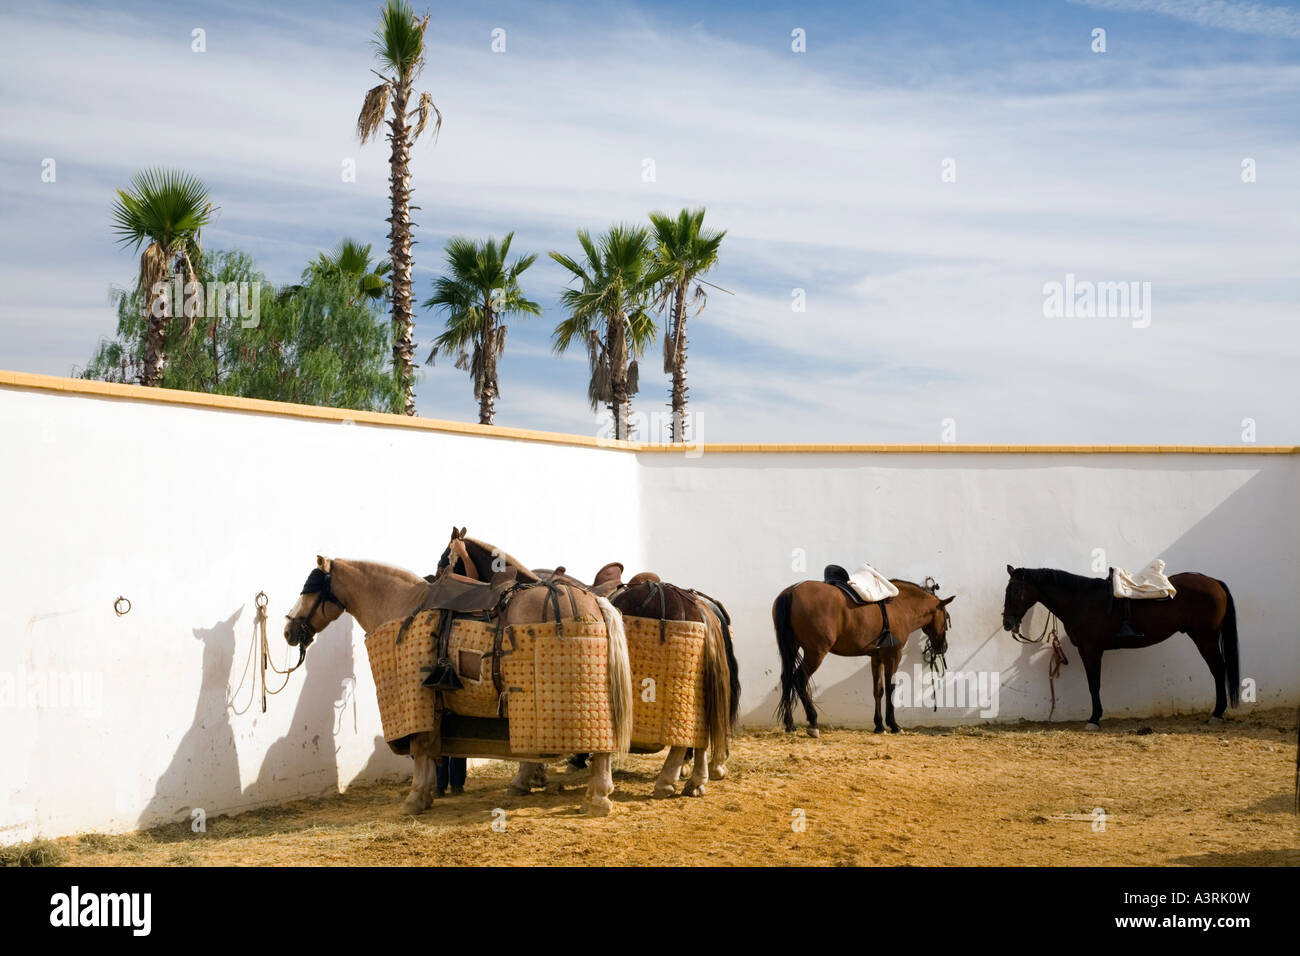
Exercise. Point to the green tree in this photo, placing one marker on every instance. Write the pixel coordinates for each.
(399, 45)
(609, 312)
(349, 258)
(687, 251)
(166, 209)
(321, 345)
(479, 291)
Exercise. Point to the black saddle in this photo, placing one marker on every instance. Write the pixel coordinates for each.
(837, 576)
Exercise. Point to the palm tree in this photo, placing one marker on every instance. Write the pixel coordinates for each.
(352, 259)
(687, 251)
(167, 209)
(479, 292)
(400, 45)
(609, 312)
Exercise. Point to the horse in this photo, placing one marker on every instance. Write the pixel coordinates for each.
(1202, 608)
(646, 595)
(813, 619)
(375, 594)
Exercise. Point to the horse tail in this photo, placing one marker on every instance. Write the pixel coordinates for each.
(724, 618)
(1228, 636)
(792, 678)
(620, 675)
(717, 686)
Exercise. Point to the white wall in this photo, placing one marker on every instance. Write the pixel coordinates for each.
(189, 512)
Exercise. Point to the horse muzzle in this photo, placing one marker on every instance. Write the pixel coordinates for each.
(298, 632)
(1010, 623)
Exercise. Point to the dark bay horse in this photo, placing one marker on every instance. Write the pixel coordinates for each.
(813, 619)
(1203, 609)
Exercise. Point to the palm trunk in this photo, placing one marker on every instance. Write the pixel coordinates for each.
(678, 433)
(488, 387)
(399, 235)
(618, 374)
(155, 339)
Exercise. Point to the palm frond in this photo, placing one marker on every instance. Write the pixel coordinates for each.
(373, 111)
(399, 41)
(425, 109)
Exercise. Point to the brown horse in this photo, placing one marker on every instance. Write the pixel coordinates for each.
(1203, 609)
(375, 594)
(813, 619)
(647, 596)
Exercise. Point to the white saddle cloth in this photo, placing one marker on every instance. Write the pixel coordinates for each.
(1148, 583)
(871, 584)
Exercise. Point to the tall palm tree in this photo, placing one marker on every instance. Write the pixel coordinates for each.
(480, 290)
(688, 251)
(167, 209)
(609, 311)
(351, 259)
(399, 43)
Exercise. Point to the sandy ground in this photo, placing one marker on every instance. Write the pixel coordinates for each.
(1174, 791)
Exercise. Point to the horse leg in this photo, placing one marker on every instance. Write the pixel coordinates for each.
(811, 661)
(422, 776)
(601, 785)
(687, 758)
(577, 762)
(664, 784)
(718, 764)
(1207, 642)
(890, 667)
(522, 782)
(877, 688)
(695, 786)
(1092, 666)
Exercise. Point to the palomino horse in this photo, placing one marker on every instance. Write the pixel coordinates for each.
(813, 619)
(1203, 609)
(646, 595)
(375, 594)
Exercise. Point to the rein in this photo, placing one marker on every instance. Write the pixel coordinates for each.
(935, 660)
(1051, 632)
(263, 651)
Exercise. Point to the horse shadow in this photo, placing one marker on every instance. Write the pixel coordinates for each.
(305, 759)
(204, 770)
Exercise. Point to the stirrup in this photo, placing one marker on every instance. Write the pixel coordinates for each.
(442, 676)
(1126, 630)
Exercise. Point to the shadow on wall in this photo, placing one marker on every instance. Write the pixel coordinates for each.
(304, 761)
(204, 770)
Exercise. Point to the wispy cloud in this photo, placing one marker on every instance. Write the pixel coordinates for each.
(1254, 18)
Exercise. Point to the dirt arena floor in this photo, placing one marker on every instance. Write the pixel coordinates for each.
(1174, 790)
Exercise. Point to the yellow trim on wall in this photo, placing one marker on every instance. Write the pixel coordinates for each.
(170, 396)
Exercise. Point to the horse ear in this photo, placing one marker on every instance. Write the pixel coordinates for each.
(946, 601)
(1010, 569)
(323, 563)
(462, 534)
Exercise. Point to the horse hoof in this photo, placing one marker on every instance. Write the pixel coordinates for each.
(693, 790)
(814, 732)
(790, 729)
(1091, 726)
(893, 730)
(600, 807)
(718, 772)
(415, 804)
(878, 729)
(664, 790)
(1216, 720)
(517, 791)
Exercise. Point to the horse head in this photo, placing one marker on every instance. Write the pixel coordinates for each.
(456, 556)
(1020, 597)
(936, 627)
(317, 607)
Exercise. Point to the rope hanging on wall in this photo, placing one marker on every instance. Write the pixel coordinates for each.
(262, 647)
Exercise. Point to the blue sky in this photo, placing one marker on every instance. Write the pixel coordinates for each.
(924, 298)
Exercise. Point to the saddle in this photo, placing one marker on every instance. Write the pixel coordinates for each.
(837, 576)
(457, 596)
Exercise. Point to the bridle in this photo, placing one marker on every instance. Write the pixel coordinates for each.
(1050, 634)
(318, 583)
(1015, 630)
(935, 659)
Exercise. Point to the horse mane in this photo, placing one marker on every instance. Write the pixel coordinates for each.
(1055, 576)
(900, 583)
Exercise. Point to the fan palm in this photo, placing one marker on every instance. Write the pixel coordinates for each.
(480, 290)
(609, 312)
(399, 44)
(350, 259)
(166, 209)
(687, 251)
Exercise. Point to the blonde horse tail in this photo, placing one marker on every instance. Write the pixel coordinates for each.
(620, 676)
(717, 685)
